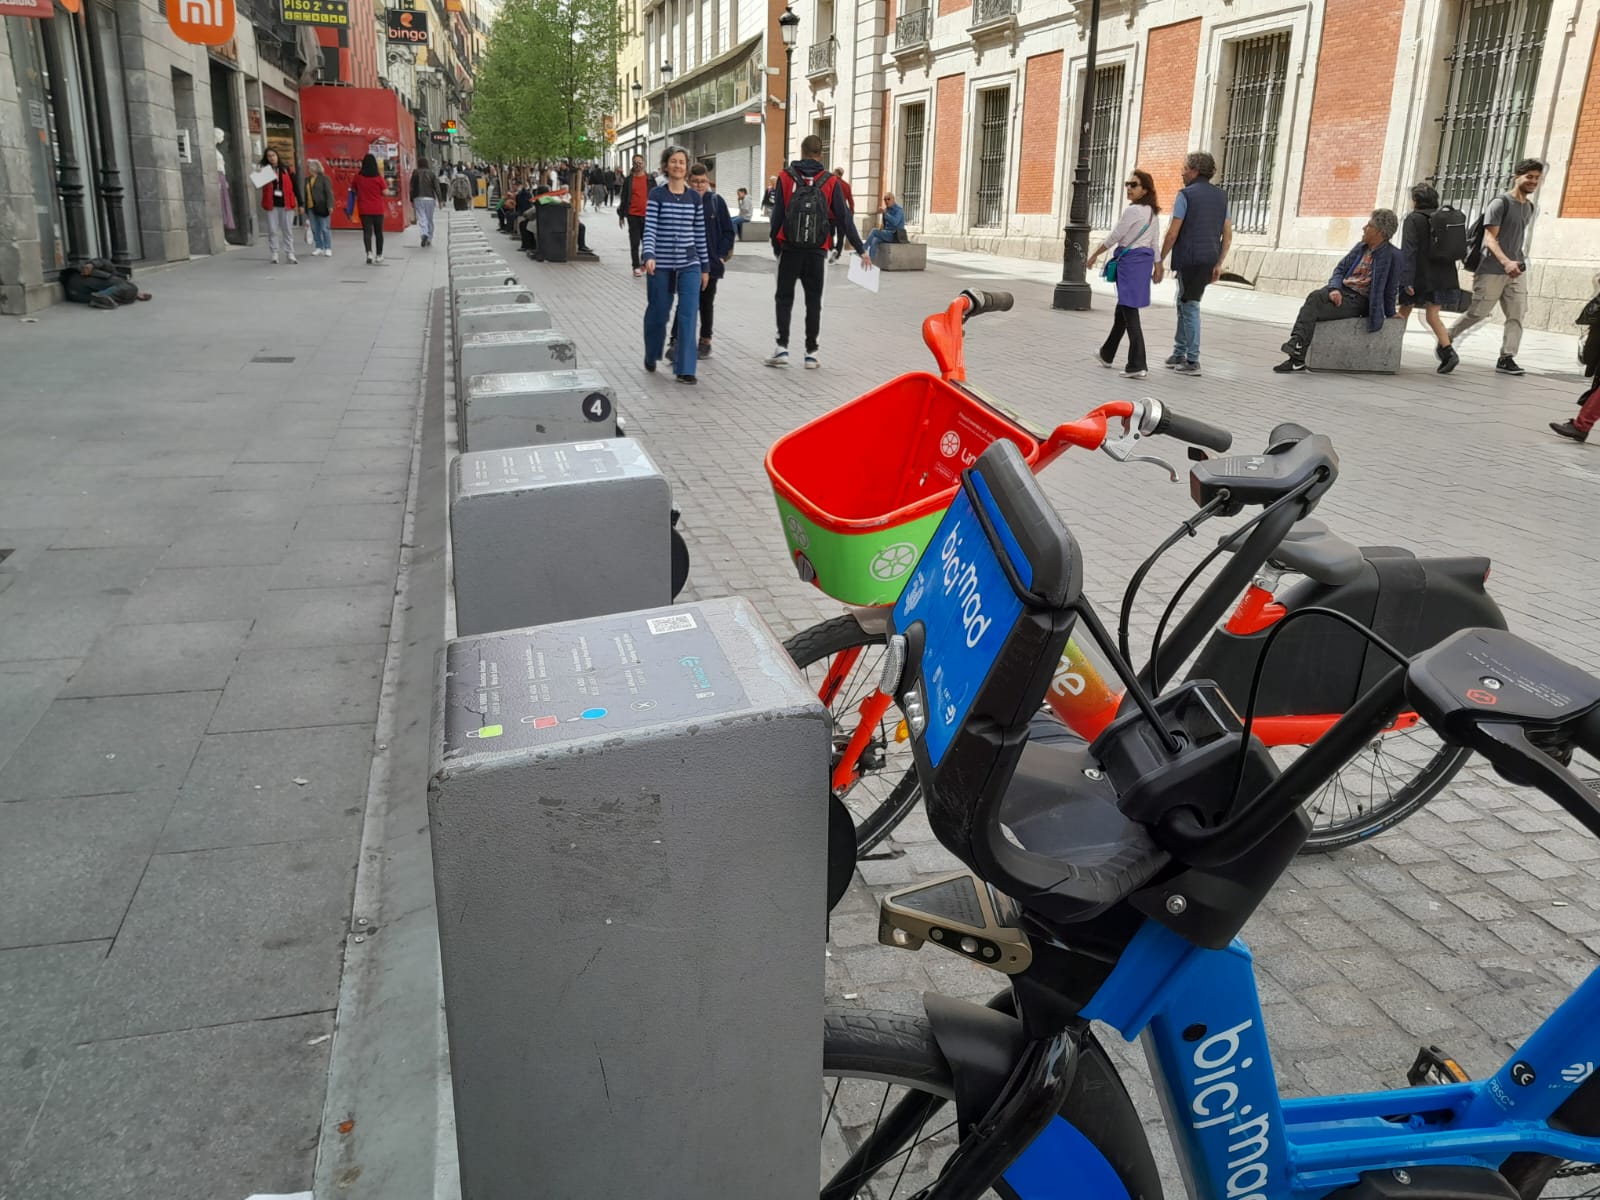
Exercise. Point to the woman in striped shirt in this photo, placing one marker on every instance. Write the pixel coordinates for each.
(677, 263)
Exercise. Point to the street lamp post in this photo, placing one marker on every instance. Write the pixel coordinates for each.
(666, 105)
(1072, 293)
(789, 30)
(638, 90)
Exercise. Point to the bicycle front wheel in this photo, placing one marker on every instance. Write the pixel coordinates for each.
(1395, 775)
(843, 660)
(889, 1120)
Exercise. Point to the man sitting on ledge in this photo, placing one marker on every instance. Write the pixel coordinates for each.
(1364, 284)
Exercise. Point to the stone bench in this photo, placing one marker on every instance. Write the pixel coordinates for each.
(905, 256)
(1347, 346)
(755, 231)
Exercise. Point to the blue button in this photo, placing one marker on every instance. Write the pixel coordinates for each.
(593, 714)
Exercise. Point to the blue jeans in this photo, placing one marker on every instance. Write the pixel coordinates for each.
(1186, 341)
(660, 289)
(322, 232)
(877, 238)
(738, 222)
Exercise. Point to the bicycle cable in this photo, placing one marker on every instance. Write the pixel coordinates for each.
(1377, 640)
(1187, 527)
(1238, 534)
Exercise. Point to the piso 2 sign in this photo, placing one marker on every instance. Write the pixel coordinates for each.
(316, 12)
(408, 25)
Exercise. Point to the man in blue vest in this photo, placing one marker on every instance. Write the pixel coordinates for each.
(1198, 237)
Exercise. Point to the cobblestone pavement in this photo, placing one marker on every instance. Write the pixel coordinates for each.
(1463, 927)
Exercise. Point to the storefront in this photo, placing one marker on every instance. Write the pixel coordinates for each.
(342, 125)
(707, 113)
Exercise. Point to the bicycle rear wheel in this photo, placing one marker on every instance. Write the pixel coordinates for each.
(884, 788)
(1394, 776)
(882, 1068)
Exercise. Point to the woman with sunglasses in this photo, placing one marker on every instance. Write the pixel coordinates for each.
(1137, 239)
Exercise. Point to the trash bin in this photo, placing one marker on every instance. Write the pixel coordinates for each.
(552, 232)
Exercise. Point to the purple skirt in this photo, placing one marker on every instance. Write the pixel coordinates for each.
(1133, 276)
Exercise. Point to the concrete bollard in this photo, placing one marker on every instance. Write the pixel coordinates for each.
(629, 858)
(513, 351)
(501, 318)
(558, 532)
(476, 277)
(485, 297)
(534, 408)
(1347, 346)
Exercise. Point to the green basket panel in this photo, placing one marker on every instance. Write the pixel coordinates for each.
(867, 568)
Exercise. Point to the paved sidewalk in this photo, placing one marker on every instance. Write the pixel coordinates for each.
(204, 498)
(1464, 926)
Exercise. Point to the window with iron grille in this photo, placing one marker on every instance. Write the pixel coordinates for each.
(992, 157)
(1250, 139)
(824, 130)
(1105, 131)
(912, 127)
(1493, 69)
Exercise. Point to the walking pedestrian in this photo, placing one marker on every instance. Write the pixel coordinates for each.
(1589, 356)
(631, 212)
(745, 213)
(849, 203)
(1364, 284)
(891, 220)
(1199, 235)
(809, 206)
(1426, 275)
(677, 263)
(277, 198)
(370, 205)
(424, 199)
(1136, 238)
(319, 208)
(1498, 274)
(719, 246)
(770, 197)
(460, 191)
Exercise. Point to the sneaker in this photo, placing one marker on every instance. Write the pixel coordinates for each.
(328, 253)
(1290, 366)
(294, 260)
(811, 362)
(1130, 373)
(687, 379)
(1507, 365)
(378, 260)
(779, 357)
(102, 302)
(274, 260)
(704, 348)
(1173, 362)
(1187, 368)
(1568, 430)
(650, 365)
(638, 272)
(1448, 358)
(369, 258)
(1103, 362)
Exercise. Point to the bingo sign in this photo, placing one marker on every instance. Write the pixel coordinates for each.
(316, 12)
(408, 26)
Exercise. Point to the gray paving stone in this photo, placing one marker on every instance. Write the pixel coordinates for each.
(248, 1098)
(365, 488)
(241, 789)
(295, 689)
(306, 617)
(119, 744)
(261, 544)
(330, 564)
(246, 477)
(218, 936)
(179, 594)
(351, 522)
(26, 691)
(128, 660)
(155, 528)
(69, 866)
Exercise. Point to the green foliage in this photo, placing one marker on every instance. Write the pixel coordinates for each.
(545, 81)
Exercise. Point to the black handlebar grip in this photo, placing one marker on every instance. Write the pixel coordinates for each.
(982, 302)
(1195, 432)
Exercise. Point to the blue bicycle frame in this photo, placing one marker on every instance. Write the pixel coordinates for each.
(1236, 1139)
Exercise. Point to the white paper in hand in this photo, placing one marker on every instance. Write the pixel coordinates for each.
(863, 276)
(263, 177)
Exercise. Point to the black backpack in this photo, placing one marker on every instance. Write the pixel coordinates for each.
(1474, 253)
(806, 219)
(1447, 234)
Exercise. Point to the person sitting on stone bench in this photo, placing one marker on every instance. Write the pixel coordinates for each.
(100, 284)
(1366, 283)
(891, 224)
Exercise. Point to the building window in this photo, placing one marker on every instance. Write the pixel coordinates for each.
(1250, 139)
(824, 130)
(912, 126)
(992, 157)
(1105, 133)
(1493, 69)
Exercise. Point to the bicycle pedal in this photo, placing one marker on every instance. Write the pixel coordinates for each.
(959, 913)
(1435, 1068)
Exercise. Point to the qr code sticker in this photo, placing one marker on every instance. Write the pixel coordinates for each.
(676, 623)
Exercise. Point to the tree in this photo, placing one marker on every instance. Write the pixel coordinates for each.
(546, 80)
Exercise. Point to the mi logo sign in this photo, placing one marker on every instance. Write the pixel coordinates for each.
(202, 22)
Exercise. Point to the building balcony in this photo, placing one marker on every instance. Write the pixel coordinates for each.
(912, 30)
(821, 59)
(994, 22)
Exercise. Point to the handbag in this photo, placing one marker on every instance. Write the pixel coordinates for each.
(1109, 271)
(350, 201)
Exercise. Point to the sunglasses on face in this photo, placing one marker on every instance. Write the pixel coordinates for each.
(1133, 183)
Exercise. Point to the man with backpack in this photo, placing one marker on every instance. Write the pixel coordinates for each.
(461, 191)
(1498, 262)
(809, 205)
(1432, 241)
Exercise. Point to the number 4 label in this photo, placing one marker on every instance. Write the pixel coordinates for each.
(596, 406)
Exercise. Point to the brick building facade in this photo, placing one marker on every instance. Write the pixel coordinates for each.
(1316, 114)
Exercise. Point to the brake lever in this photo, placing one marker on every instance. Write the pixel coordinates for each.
(1123, 447)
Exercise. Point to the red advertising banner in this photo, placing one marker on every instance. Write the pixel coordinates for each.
(27, 8)
(339, 125)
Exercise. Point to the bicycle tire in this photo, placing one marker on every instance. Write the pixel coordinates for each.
(900, 1051)
(813, 646)
(1433, 777)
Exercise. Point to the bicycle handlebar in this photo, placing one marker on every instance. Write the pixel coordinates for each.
(980, 302)
(1194, 431)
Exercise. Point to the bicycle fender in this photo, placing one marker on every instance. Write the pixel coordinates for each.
(873, 620)
(982, 1046)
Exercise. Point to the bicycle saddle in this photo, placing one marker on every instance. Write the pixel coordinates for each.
(1311, 549)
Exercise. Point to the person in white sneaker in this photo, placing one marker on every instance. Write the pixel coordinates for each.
(372, 205)
(319, 208)
(1498, 275)
(277, 199)
(1137, 239)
